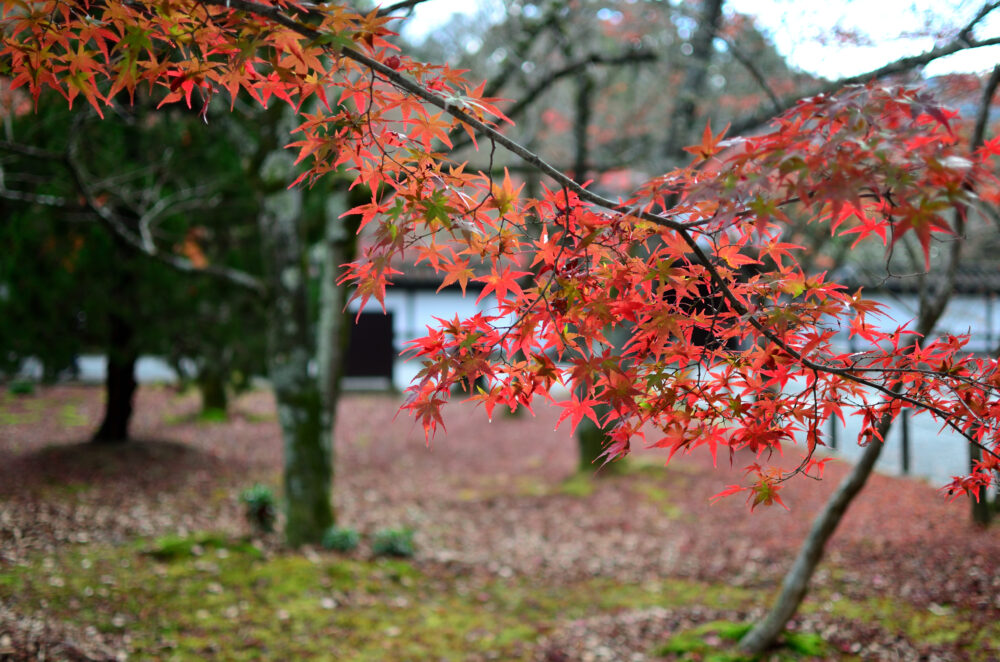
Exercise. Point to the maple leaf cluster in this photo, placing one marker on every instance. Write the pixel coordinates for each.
(678, 317)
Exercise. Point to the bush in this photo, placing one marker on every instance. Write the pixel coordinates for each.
(261, 509)
(21, 387)
(341, 539)
(393, 542)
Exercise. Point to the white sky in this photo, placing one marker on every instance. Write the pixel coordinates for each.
(795, 24)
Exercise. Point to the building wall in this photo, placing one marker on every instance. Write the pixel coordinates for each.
(413, 311)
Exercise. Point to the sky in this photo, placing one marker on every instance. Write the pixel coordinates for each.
(795, 24)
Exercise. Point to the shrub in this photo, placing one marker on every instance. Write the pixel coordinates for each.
(21, 387)
(261, 510)
(341, 539)
(393, 542)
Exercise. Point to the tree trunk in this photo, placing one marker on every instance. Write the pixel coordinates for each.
(692, 89)
(765, 633)
(339, 242)
(305, 421)
(796, 583)
(982, 509)
(590, 440)
(212, 386)
(119, 383)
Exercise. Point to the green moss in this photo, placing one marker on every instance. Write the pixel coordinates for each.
(213, 415)
(207, 595)
(70, 416)
(211, 596)
(172, 548)
(659, 496)
(258, 417)
(930, 626)
(698, 644)
(580, 484)
(705, 643)
(805, 643)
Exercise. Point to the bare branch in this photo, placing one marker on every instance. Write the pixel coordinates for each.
(119, 228)
(143, 242)
(979, 133)
(530, 95)
(408, 5)
(28, 150)
(899, 66)
(35, 198)
(754, 72)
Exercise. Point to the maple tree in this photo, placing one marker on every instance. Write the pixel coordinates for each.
(867, 162)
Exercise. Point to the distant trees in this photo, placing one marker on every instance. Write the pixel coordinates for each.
(74, 287)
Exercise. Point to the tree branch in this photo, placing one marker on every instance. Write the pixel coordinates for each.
(683, 230)
(142, 242)
(408, 5)
(119, 228)
(899, 66)
(979, 133)
(754, 72)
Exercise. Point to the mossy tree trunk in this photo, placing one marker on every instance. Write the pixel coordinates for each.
(303, 416)
(765, 633)
(982, 509)
(591, 440)
(796, 583)
(339, 247)
(212, 387)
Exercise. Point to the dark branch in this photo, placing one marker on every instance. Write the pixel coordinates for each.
(28, 150)
(979, 133)
(531, 95)
(119, 228)
(901, 65)
(755, 73)
(408, 5)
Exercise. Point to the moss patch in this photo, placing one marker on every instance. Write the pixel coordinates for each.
(716, 642)
(579, 484)
(70, 416)
(207, 595)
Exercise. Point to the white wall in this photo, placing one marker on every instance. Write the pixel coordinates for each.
(413, 311)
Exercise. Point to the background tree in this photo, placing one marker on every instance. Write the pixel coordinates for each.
(106, 297)
(151, 209)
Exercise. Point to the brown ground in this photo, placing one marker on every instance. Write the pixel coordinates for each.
(479, 497)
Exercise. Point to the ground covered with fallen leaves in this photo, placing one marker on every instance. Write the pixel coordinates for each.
(142, 551)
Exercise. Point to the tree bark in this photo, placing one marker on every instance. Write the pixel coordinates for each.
(119, 383)
(982, 509)
(796, 582)
(212, 386)
(304, 420)
(765, 633)
(339, 243)
(591, 440)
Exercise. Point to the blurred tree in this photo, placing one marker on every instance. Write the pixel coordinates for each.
(170, 199)
(76, 288)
